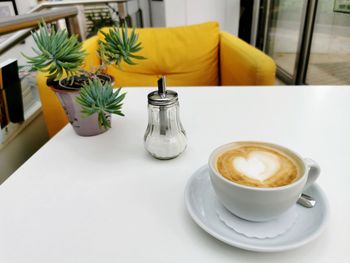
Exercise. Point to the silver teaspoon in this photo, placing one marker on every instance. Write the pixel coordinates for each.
(306, 201)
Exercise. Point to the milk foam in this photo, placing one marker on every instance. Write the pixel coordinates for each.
(258, 165)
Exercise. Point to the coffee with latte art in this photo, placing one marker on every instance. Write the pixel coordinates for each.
(257, 165)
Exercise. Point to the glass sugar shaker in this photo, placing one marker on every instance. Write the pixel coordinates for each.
(165, 137)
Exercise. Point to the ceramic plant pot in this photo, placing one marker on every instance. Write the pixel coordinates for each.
(83, 126)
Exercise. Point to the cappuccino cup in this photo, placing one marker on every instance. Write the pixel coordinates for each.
(259, 181)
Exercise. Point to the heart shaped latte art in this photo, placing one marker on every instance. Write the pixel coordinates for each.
(259, 165)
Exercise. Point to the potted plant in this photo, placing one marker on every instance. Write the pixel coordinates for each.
(86, 96)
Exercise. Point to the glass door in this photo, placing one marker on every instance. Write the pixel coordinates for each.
(284, 27)
(329, 61)
(308, 39)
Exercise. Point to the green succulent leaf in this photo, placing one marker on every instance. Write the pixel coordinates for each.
(57, 53)
(98, 97)
(118, 46)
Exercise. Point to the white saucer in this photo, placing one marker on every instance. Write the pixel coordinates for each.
(202, 205)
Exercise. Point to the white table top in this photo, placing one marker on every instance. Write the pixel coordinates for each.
(104, 199)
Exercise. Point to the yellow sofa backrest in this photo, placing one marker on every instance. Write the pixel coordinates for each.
(187, 55)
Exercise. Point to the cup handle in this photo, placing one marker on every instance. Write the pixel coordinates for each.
(314, 171)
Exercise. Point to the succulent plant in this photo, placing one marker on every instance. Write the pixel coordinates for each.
(98, 97)
(57, 54)
(119, 46)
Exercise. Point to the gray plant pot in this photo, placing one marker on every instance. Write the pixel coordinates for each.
(83, 126)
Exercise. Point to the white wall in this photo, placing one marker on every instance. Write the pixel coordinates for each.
(175, 12)
(186, 12)
(158, 14)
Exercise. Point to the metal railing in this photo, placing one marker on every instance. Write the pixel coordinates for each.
(25, 23)
(69, 11)
(14, 23)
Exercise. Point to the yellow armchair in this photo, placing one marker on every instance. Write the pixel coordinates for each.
(198, 55)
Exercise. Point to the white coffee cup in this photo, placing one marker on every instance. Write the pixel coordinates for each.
(261, 204)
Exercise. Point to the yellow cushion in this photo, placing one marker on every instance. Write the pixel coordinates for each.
(187, 55)
(243, 64)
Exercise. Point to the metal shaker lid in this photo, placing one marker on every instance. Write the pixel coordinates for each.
(162, 97)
